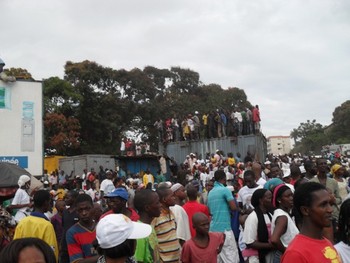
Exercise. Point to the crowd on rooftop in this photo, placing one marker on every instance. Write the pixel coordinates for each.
(214, 208)
(212, 124)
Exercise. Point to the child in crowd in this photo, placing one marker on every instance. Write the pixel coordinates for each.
(205, 246)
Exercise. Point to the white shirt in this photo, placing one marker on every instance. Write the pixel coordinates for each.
(107, 186)
(203, 177)
(122, 146)
(238, 116)
(21, 197)
(291, 231)
(53, 179)
(245, 195)
(229, 177)
(182, 227)
(261, 181)
(91, 193)
(343, 250)
(250, 233)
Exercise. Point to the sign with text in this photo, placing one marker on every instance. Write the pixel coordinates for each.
(21, 161)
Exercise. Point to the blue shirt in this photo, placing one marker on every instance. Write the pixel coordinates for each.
(218, 200)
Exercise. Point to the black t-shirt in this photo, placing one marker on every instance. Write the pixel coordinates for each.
(68, 219)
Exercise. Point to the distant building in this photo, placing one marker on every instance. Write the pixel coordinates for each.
(279, 145)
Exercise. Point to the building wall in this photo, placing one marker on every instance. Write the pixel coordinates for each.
(21, 132)
(279, 145)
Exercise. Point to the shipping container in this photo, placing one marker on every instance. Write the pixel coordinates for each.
(75, 165)
(255, 144)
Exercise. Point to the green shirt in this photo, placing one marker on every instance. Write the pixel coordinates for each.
(146, 249)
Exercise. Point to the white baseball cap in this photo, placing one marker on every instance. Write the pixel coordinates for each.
(114, 229)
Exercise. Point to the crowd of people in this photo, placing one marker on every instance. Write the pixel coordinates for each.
(212, 124)
(220, 208)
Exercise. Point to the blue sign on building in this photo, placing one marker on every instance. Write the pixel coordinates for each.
(21, 161)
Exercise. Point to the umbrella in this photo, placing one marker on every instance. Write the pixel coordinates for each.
(9, 175)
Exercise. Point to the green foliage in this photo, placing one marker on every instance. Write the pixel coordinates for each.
(61, 133)
(19, 73)
(107, 103)
(340, 129)
(309, 137)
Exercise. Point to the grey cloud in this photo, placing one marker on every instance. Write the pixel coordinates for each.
(291, 57)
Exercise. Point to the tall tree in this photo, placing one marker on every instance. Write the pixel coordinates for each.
(340, 128)
(184, 80)
(309, 137)
(60, 97)
(19, 73)
(61, 134)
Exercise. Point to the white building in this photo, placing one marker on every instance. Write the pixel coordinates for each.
(21, 132)
(279, 145)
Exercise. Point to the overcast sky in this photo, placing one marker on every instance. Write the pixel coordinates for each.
(292, 58)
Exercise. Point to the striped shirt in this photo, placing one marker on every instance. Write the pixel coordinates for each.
(79, 241)
(168, 244)
(218, 199)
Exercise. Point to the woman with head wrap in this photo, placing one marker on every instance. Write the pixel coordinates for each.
(283, 226)
(21, 201)
(338, 174)
(6, 224)
(257, 229)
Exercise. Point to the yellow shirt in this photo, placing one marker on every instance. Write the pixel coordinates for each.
(205, 119)
(60, 193)
(148, 178)
(33, 226)
(231, 161)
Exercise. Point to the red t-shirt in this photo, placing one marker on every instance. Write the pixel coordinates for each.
(192, 207)
(134, 216)
(193, 253)
(304, 249)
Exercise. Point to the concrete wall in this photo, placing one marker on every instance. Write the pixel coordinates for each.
(21, 132)
(256, 144)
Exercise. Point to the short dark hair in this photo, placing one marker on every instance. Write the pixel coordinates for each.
(249, 173)
(303, 195)
(74, 194)
(219, 175)
(142, 198)
(308, 165)
(294, 171)
(10, 253)
(125, 249)
(274, 165)
(191, 192)
(162, 192)
(319, 159)
(41, 197)
(83, 198)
